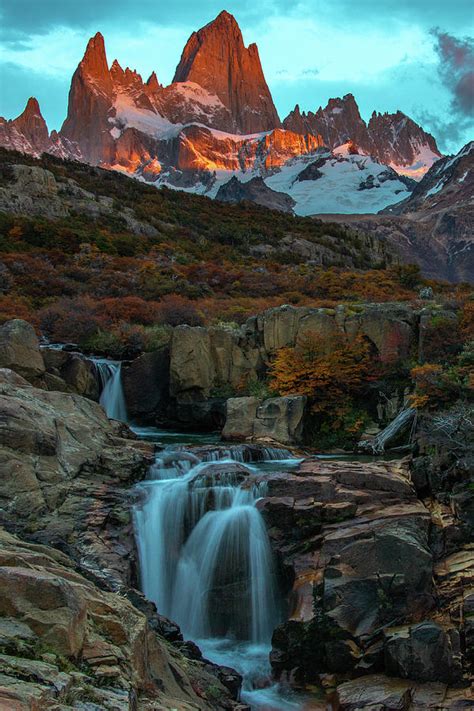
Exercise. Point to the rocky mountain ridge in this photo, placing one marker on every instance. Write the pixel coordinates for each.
(28, 133)
(392, 139)
(434, 225)
(217, 116)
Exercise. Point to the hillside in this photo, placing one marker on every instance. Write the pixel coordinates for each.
(112, 251)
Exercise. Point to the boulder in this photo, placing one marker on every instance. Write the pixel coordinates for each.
(279, 419)
(380, 693)
(53, 608)
(241, 413)
(146, 384)
(77, 371)
(19, 349)
(424, 651)
(64, 474)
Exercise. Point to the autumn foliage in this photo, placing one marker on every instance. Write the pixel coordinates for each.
(329, 380)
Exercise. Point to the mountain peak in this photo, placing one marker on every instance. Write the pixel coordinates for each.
(32, 125)
(224, 18)
(216, 58)
(152, 82)
(32, 107)
(94, 63)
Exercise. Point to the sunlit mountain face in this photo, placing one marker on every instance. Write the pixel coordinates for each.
(218, 120)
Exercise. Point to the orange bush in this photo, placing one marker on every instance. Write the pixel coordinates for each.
(16, 307)
(328, 380)
(467, 321)
(434, 385)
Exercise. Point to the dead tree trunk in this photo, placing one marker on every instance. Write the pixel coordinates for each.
(402, 423)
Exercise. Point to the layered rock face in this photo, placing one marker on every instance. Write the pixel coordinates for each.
(393, 139)
(205, 363)
(74, 633)
(370, 587)
(64, 464)
(69, 644)
(217, 59)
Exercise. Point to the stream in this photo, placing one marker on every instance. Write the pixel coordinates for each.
(205, 557)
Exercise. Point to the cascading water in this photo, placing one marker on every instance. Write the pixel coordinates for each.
(206, 561)
(111, 398)
(204, 547)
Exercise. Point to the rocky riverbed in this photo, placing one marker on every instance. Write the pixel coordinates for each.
(375, 562)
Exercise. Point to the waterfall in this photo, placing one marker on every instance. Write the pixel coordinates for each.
(244, 453)
(111, 398)
(204, 552)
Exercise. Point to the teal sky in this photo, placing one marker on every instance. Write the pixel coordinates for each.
(413, 55)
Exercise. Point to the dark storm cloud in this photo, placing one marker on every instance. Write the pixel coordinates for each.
(33, 16)
(456, 69)
(456, 72)
(38, 16)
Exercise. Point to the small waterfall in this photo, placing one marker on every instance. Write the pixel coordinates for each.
(204, 551)
(244, 453)
(111, 398)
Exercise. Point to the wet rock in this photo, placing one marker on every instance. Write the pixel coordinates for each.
(381, 693)
(146, 384)
(19, 349)
(78, 372)
(357, 540)
(89, 648)
(424, 651)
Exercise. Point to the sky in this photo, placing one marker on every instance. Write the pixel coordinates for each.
(412, 55)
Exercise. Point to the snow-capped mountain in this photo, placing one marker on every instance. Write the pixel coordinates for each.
(217, 120)
(338, 181)
(392, 139)
(432, 226)
(448, 184)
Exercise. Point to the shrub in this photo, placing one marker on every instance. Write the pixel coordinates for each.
(174, 310)
(435, 385)
(325, 378)
(442, 339)
(16, 307)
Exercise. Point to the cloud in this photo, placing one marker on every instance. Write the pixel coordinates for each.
(456, 72)
(456, 69)
(22, 17)
(25, 16)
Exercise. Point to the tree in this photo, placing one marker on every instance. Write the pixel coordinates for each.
(328, 380)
